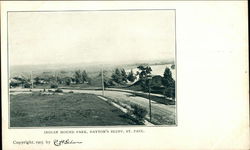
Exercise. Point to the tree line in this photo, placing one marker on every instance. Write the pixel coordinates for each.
(163, 84)
(157, 84)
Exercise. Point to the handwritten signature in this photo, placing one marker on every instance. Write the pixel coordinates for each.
(67, 141)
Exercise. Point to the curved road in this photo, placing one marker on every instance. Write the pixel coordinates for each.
(161, 114)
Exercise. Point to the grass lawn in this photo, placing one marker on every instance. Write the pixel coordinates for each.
(69, 109)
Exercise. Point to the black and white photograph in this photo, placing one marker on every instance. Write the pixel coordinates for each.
(126, 75)
(92, 68)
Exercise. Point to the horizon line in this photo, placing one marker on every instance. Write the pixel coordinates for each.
(97, 63)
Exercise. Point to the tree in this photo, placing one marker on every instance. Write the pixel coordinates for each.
(37, 80)
(169, 84)
(124, 75)
(67, 80)
(173, 66)
(59, 79)
(73, 79)
(144, 71)
(117, 76)
(78, 76)
(131, 77)
(84, 76)
(168, 80)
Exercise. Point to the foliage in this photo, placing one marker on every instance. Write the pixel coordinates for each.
(53, 85)
(144, 71)
(144, 84)
(105, 77)
(89, 81)
(138, 111)
(27, 85)
(20, 81)
(81, 76)
(84, 76)
(131, 77)
(111, 83)
(168, 80)
(173, 66)
(37, 80)
(50, 90)
(156, 81)
(78, 76)
(168, 83)
(117, 76)
(124, 75)
(59, 91)
(59, 80)
(14, 84)
(169, 92)
(67, 80)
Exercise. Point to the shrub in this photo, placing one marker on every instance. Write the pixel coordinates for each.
(139, 112)
(27, 85)
(13, 84)
(59, 91)
(53, 86)
(169, 92)
(156, 81)
(112, 83)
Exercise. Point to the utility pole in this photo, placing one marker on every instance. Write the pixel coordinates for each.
(56, 77)
(149, 98)
(149, 101)
(102, 83)
(31, 79)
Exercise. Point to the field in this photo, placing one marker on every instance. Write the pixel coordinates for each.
(67, 109)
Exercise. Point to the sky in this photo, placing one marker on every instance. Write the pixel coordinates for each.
(37, 38)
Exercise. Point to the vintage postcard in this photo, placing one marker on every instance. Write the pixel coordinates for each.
(84, 72)
(103, 75)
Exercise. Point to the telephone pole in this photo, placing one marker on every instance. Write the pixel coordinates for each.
(149, 78)
(56, 77)
(102, 83)
(31, 79)
(149, 90)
